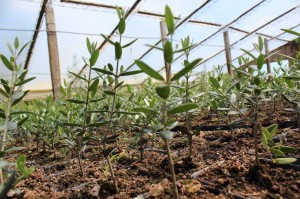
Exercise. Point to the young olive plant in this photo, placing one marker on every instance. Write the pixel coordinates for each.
(12, 92)
(80, 128)
(114, 85)
(166, 123)
(251, 86)
(188, 86)
(276, 149)
(227, 97)
(142, 122)
(254, 93)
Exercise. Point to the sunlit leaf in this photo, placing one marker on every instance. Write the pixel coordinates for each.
(148, 70)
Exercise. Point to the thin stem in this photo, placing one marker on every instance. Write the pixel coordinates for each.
(255, 129)
(112, 173)
(79, 161)
(172, 171)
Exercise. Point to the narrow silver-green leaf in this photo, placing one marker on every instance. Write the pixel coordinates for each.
(118, 50)
(169, 20)
(75, 101)
(129, 44)
(284, 160)
(102, 71)
(182, 108)
(122, 26)
(145, 110)
(166, 135)
(186, 69)
(94, 86)
(148, 70)
(128, 73)
(214, 82)
(94, 58)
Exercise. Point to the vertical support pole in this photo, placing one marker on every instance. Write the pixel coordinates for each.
(227, 52)
(267, 53)
(53, 52)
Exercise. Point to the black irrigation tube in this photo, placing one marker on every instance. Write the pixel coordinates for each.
(282, 125)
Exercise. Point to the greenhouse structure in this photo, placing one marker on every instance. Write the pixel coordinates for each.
(149, 99)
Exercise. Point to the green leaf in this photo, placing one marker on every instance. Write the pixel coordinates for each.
(14, 148)
(168, 52)
(16, 101)
(75, 101)
(94, 86)
(169, 20)
(260, 43)
(122, 26)
(286, 149)
(88, 45)
(260, 61)
(232, 98)
(264, 140)
(97, 100)
(256, 80)
(109, 92)
(182, 108)
(155, 47)
(291, 32)
(148, 70)
(23, 49)
(110, 67)
(248, 53)
(118, 50)
(20, 112)
(103, 71)
(78, 76)
(277, 152)
(145, 110)
(284, 160)
(94, 58)
(129, 44)
(272, 130)
(163, 91)
(25, 81)
(186, 69)
(128, 73)
(2, 113)
(171, 124)
(22, 168)
(16, 43)
(119, 84)
(215, 83)
(98, 124)
(166, 135)
(266, 133)
(108, 40)
(12, 126)
(21, 122)
(7, 63)
(4, 93)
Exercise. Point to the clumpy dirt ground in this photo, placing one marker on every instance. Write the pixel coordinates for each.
(220, 168)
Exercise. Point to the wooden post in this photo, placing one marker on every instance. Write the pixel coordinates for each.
(267, 53)
(53, 52)
(227, 52)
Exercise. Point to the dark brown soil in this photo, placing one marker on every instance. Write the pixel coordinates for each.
(221, 168)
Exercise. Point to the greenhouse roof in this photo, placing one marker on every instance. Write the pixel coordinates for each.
(203, 20)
